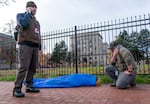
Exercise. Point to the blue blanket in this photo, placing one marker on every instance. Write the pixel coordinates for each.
(73, 80)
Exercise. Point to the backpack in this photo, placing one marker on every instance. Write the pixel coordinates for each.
(16, 32)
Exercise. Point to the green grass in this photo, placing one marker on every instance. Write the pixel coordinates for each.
(140, 79)
(143, 79)
(8, 78)
(104, 79)
(9, 75)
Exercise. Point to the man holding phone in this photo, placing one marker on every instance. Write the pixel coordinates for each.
(29, 41)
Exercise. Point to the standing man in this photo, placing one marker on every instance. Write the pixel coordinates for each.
(29, 42)
(123, 67)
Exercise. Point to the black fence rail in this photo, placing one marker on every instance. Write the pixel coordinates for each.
(84, 49)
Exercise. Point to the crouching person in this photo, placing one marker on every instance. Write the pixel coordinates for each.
(122, 69)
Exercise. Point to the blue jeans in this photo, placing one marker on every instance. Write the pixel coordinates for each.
(122, 80)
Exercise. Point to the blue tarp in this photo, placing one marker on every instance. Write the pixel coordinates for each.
(73, 80)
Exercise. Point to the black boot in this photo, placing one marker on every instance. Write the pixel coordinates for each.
(17, 92)
(32, 90)
(133, 84)
(113, 84)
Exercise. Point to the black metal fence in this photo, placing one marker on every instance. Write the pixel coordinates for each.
(84, 49)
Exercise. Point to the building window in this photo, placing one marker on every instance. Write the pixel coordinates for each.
(84, 41)
(84, 45)
(90, 49)
(78, 45)
(90, 58)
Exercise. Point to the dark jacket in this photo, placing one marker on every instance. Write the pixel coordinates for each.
(29, 30)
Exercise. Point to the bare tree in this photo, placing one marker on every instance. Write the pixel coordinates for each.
(6, 2)
(8, 28)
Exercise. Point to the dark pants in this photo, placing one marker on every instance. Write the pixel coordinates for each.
(28, 57)
(122, 80)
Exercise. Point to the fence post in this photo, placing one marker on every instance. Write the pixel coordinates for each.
(76, 54)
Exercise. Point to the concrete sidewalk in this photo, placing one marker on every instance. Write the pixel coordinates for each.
(79, 95)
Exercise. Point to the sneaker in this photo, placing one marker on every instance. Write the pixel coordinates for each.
(32, 90)
(132, 84)
(18, 93)
(113, 84)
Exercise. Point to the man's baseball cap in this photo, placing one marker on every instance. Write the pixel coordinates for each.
(112, 45)
(31, 4)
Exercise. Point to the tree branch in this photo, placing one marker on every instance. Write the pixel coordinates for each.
(6, 2)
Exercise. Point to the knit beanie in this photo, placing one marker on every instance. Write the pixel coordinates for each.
(31, 4)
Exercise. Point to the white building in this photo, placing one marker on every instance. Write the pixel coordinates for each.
(89, 49)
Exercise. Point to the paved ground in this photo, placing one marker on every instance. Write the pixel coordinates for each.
(79, 95)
